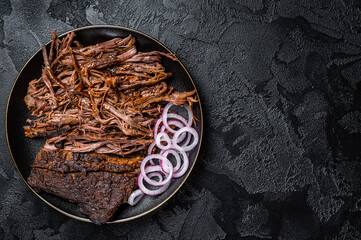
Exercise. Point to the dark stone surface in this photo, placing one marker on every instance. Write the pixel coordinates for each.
(281, 91)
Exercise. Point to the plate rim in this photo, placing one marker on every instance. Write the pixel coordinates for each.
(87, 219)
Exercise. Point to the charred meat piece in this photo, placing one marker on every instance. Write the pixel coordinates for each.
(98, 183)
(98, 194)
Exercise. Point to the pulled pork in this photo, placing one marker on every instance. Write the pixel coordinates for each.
(103, 98)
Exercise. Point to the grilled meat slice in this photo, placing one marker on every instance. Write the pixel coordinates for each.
(98, 194)
(98, 183)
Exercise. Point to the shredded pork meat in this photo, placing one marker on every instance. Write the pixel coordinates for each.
(103, 98)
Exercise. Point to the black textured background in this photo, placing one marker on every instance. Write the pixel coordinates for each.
(281, 93)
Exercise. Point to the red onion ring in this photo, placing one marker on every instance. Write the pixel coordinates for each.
(184, 167)
(190, 146)
(150, 148)
(135, 197)
(179, 169)
(180, 139)
(177, 143)
(144, 173)
(144, 189)
(166, 116)
(156, 174)
(177, 124)
(163, 137)
(174, 123)
(156, 126)
(165, 153)
(178, 117)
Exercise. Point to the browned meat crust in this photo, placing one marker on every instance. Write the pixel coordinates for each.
(99, 194)
(98, 183)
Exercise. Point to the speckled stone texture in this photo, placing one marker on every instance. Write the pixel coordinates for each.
(280, 84)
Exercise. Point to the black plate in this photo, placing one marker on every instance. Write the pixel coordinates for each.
(24, 150)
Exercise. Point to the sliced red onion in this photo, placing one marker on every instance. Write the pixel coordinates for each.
(178, 117)
(182, 130)
(150, 151)
(156, 126)
(174, 123)
(177, 124)
(150, 148)
(144, 173)
(166, 116)
(163, 137)
(177, 158)
(144, 189)
(157, 175)
(135, 197)
(177, 145)
(180, 168)
(185, 165)
(181, 138)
